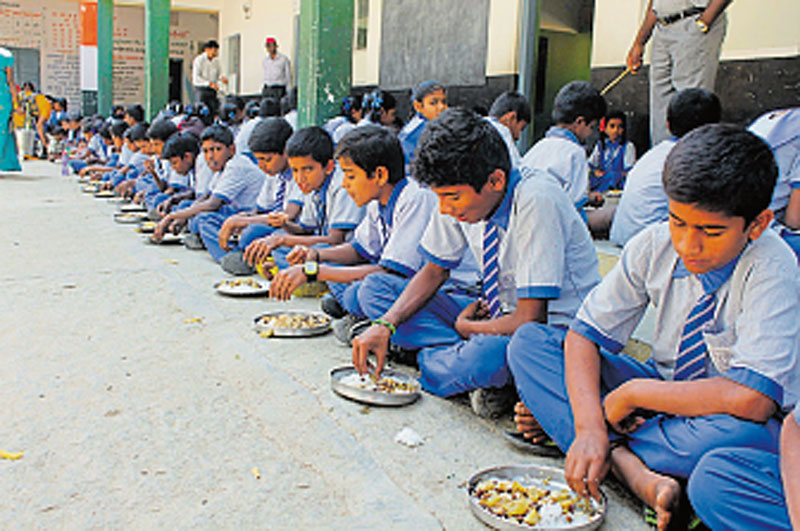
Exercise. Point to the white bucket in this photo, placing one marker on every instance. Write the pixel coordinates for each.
(25, 138)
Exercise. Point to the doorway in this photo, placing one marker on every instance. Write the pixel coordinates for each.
(175, 80)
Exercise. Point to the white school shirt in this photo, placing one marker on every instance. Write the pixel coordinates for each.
(545, 250)
(561, 155)
(137, 160)
(339, 211)
(125, 155)
(505, 132)
(239, 183)
(202, 177)
(389, 235)
(643, 200)
(781, 131)
(291, 117)
(245, 132)
(753, 337)
(265, 202)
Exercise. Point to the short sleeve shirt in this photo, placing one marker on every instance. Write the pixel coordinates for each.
(245, 132)
(545, 250)
(753, 336)
(266, 201)
(239, 183)
(781, 130)
(331, 207)
(561, 155)
(644, 200)
(389, 235)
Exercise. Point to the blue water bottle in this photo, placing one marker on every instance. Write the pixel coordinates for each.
(64, 164)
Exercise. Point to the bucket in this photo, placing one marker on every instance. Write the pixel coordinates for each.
(25, 138)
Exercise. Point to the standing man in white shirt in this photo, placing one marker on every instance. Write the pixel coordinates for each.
(206, 76)
(277, 72)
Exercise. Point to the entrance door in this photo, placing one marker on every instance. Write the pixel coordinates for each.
(175, 79)
(26, 66)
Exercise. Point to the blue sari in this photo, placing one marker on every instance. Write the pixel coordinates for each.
(8, 146)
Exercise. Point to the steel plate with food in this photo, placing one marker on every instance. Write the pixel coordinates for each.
(147, 227)
(393, 388)
(132, 207)
(104, 194)
(129, 217)
(292, 324)
(531, 497)
(90, 189)
(242, 287)
(166, 239)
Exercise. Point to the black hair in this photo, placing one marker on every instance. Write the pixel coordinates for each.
(136, 112)
(211, 44)
(137, 132)
(227, 113)
(691, 108)
(270, 136)
(118, 111)
(311, 141)
(176, 107)
(349, 105)
(180, 144)
(201, 111)
(62, 102)
(236, 101)
(59, 131)
(118, 128)
(162, 130)
(217, 133)
(251, 109)
(105, 131)
(30, 85)
(372, 146)
(376, 101)
(269, 107)
(426, 88)
(721, 168)
(575, 99)
(511, 101)
(459, 147)
(74, 117)
(615, 115)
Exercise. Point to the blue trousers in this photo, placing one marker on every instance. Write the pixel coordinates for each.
(77, 165)
(154, 198)
(347, 295)
(666, 444)
(449, 364)
(209, 232)
(739, 488)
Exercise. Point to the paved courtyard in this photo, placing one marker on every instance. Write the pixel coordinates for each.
(133, 414)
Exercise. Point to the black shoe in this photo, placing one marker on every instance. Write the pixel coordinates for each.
(403, 356)
(331, 306)
(193, 242)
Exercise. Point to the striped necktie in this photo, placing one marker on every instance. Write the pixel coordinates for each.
(491, 268)
(319, 204)
(691, 360)
(280, 195)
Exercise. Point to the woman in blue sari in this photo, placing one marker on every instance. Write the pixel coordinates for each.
(8, 95)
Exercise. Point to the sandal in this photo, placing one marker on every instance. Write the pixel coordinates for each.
(546, 448)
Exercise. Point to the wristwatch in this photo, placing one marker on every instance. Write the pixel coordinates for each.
(702, 25)
(311, 269)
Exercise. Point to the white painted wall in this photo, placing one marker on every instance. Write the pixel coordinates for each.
(268, 18)
(755, 30)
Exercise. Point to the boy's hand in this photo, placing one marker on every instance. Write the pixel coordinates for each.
(374, 340)
(138, 198)
(286, 282)
(277, 219)
(588, 463)
(149, 166)
(619, 407)
(476, 311)
(164, 207)
(300, 254)
(162, 227)
(260, 249)
(229, 227)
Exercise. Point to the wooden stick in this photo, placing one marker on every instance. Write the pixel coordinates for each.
(615, 82)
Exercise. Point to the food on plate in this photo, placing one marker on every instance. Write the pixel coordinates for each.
(533, 503)
(296, 321)
(241, 284)
(385, 384)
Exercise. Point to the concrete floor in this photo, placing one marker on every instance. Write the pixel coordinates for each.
(131, 417)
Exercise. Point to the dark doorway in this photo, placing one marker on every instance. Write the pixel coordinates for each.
(175, 79)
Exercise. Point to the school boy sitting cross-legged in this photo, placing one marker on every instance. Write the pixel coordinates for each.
(537, 256)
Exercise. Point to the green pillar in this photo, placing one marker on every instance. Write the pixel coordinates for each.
(105, 49)
(324, 69)
(528, 49)
(156, 55)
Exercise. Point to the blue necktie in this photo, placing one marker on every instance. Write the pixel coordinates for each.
(319, 204)
(491, 268)
(691, 360)
(280, 195)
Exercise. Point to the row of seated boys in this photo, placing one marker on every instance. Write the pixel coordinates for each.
(543, 323)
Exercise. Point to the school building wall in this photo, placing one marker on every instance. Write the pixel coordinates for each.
(47, 32)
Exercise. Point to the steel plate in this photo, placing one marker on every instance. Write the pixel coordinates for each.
(375, 398)
(223, 288)
(291, 332)
(528, 475)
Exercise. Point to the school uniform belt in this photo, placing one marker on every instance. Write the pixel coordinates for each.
(675, 17)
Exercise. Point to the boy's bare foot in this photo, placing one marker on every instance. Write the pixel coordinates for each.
(660, 492)
(527, 424)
